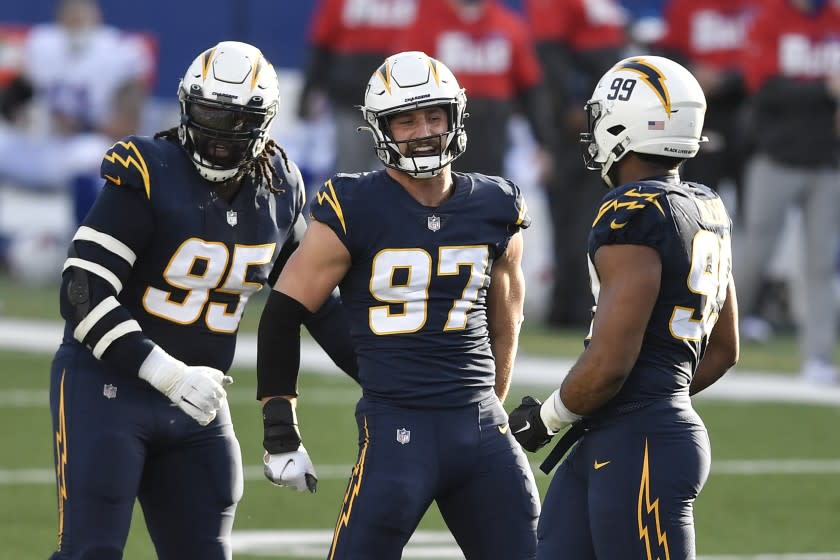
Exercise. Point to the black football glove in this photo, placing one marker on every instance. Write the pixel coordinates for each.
(527, 426)
(286, 461)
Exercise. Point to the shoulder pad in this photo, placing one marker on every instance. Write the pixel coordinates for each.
(520, 217)
(632, 214)
(506, 196)
(126, 165)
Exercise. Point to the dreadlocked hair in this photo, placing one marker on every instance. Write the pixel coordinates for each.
(260, 167)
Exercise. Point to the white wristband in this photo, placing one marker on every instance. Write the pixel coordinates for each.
(555, 415)
(161, 370)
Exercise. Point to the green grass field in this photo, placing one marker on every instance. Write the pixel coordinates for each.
(774, 488)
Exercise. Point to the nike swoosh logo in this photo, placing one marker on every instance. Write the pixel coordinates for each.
(617, 225)
(601, 465)
(503, 429)
(523, 428)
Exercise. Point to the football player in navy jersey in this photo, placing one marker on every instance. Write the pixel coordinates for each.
(428, 262)
(664, 328)
(187, 227)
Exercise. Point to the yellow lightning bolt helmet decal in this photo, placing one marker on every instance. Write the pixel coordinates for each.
(648, 508)
(208, 58)
(256, 68)
(384, 73)
(433, 65)
(653, 77)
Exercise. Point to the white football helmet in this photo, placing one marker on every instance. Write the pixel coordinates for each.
(405, 82)
(644, 104)
(229, 96)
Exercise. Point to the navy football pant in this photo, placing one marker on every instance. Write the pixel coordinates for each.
(627, 491)
(465, 459)
(116, 439)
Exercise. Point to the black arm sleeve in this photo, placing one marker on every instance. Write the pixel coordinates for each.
(278, 345)
(330, 327)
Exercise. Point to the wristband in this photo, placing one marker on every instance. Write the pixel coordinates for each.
(555, 415)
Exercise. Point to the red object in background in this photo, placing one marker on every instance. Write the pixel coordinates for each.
(12, 38)
(582, 24)
(492, 56)
(712, 32)
(785, 41)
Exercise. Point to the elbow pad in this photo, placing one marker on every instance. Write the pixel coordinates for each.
(76, 295)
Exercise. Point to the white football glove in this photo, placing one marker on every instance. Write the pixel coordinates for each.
(293, 469)
(197, 390)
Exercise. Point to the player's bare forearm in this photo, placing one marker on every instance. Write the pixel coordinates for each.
(723, 349)
(595, 378)
(504, 346)
(630, 278)
(505, 302)
(504, 323)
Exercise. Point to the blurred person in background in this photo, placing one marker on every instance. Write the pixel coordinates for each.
(188, 225)
(665, 327)
(89, 84)
(645, 21)
(792, 69)
(576, 42)
(346, 39)
(78, 63)
(709, 38)
(429, 265)
(487, 45)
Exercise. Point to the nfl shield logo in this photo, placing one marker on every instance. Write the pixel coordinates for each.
(403, 436)
(433, 223)
(231, 217)
(110, 391)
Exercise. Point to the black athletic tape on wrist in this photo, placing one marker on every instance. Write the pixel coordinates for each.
(280, 430)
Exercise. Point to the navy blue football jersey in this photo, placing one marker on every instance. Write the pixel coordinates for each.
(181, 261)
(417, 285)
(687, 224)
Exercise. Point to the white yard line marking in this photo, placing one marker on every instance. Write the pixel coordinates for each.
(44, 337)
(423, 544)
(40, 398)
(342, 471)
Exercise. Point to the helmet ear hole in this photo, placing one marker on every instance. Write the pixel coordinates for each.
(617, 129)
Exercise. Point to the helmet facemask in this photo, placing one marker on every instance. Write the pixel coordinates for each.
(413, 156)
(594, 157)
(221, 136)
